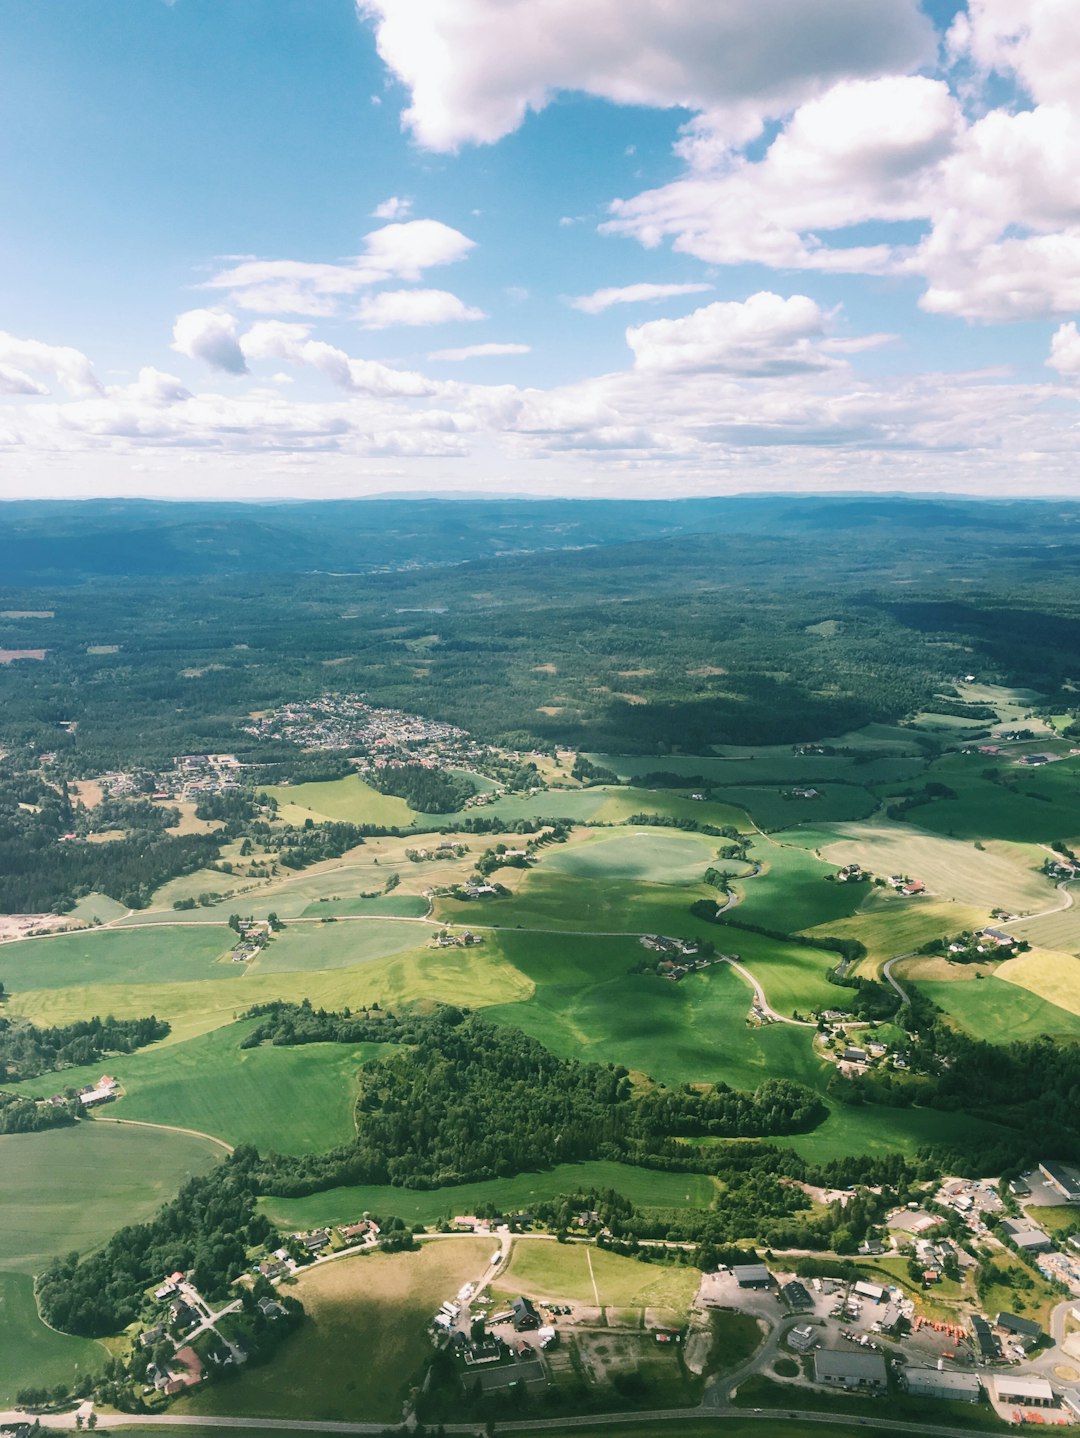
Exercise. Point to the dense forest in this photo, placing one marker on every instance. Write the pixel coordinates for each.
(26, 1050)
(428, 791)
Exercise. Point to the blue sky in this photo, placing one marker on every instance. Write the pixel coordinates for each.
(548, 246)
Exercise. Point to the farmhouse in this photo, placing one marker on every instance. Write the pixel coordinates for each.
(105, 1089)
(851, 1370)
(1061, 1179)
(939, 1383)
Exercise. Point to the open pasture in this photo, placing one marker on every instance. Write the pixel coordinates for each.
(588, 1005)
(99, 907)
(474, 977)
(999, 876)
(73, 1187)
(999, 1011)
(312, 948)
(32, 1353)
(870, 1129)
(778, 764)
(137, 957)
(281, 1099)
(792, 975)
(622, 804)
(772, 811)
(644, 855)
(793, 892)
(1028, 805)
(583, 1273)
(348, 799)
(364, 1341)
(648, 1188)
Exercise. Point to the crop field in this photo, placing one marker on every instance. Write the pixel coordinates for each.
(31, 1352)
(792, 975)
(771, 811)
(314, 947)
(583, 1273)
(364, 1342)
(891, 925)
(792, 892)
(1032, 806)
(473, 977)
(281, 1099)
(1060, 930)
(647, 1188)
(1000, 1012)
(145, 956)
(1052, 976)
(643, 855)
(623, 804)
(397, 905)
(73, 1187)
(587, 1005)
(1000, 876)
(348, 799)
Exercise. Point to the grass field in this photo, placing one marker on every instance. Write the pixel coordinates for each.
(71, 1188)
(628, 1427)
(1051, 976)
(792, 975)
(348, 799)
(647, 1188)
(364, 1342)
(397, 904)
(771, 811)
(891, 925)
(97, 906)
(284, 1100)
(642, 855)
(791, 892)
(1033, 806)
(778, 765)
(1000, 876)
(996, 1010)
(872, 1130)
(622, 804)
(1060, 931)
(587, 1005)
(107, 956)
(583, 1273)
(31, 1353)
(314, 947)
(474, 977)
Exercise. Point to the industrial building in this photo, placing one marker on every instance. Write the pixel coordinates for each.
(851, 1368)
(941, 1383)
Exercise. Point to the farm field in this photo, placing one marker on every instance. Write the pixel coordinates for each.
(1027, 805)
(623, 804)
(649, 855)
(474, 977)
(1052, 976)
(779, 765)
(869, 1129)
(583, 1273)
(998, 1011)
(648, 1188)
(281, 1099)
(97, 906)
(73, 1187)
(1059, 931)
(318, 947)
(792, 892)
(772, 812)
(999, 876)
(396, 905)
(587, 1005)
(145, 956)
(889, 926)
(364, 1341)
(348, 799)
(792, 975)
(28, 1347)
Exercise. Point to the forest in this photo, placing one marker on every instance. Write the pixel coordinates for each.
(27, 1051)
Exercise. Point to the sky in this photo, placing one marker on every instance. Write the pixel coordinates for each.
(262, 249)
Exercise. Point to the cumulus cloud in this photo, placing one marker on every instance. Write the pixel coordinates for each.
(414, 307)
(395, 208)
(401, 251)
(632, 295)
(209, 336)
(1033, 42)
(484, 351)
(21, 360)
(279, 340)
(765, 335)
(1065, 350)
(476, 67)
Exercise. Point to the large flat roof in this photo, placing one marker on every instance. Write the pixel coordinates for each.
(857, 1365)
(1008, 1385)
(919, 1379)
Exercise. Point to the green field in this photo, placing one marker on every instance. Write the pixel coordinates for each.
(641, 855)
(583, 1273)
(363, 1343)
(792, 892)
(890, 925)
(647, 1188)
(1032, 806)
(31, 1353)
(281, 1099)
(993, 1009)
(406, 906)
(110, 956)
(73, 1187)
(317, 947)
(872, 1130)
(778, 765)
(348, 799)
(99, 907)
(771, 811)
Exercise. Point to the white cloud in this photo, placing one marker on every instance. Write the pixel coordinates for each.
(765, 335)
(485, 351)
(21, 360)
(277, 340)
(395, 208)
(414, 307)
(209, 336)
(397, 251)
(632, 295)
(475, 67)
(1034, 41)
(1065, 350)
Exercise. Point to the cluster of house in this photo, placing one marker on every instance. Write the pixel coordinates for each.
(442, 851)
(904, 885)
(987, 941)
(105, 1089)
(678, 957)
(464, 940)
(852, 874)
(254, 935)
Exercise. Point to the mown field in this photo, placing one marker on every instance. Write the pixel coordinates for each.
(348, 799)
(583, 1273)
(636, 855)
(283, 1100)
(143, 956)
(1000, 1012)
(363, 1343)
(32, 1353)
(648, 1188)
(792, 891)
(71, 1188)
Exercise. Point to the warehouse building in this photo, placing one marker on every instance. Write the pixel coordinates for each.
(940, 1383)
(851, 1369)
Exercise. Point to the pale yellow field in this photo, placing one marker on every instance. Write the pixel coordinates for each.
(902, 925)
(1053, 976)
(1059, 931)
(1001, 875)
